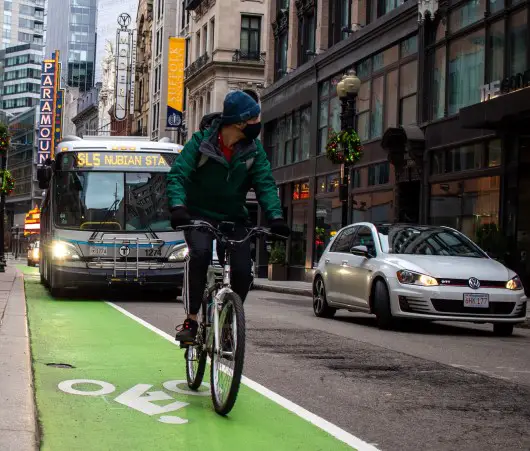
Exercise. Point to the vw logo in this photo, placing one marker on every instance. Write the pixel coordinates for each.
(125, 251)
(474, 283)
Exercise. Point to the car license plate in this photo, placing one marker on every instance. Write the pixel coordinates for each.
(476, 300)
(98, 251)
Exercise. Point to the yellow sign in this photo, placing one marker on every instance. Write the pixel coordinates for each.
(175, 82)
(119, 159)
(32, 222)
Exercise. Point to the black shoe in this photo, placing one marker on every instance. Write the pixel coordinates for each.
(187, 332)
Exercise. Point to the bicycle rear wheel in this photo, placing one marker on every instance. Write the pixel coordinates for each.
(196, 354)
(227, 361)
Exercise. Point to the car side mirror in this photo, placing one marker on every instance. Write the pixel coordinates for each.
(361, 251)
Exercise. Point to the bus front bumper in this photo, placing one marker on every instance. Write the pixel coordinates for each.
(161, 279)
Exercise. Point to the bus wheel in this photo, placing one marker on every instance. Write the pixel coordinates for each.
(55, 290)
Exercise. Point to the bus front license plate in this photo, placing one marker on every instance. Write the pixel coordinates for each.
(98, 251)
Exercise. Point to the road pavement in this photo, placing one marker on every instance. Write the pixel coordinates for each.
(438, 387)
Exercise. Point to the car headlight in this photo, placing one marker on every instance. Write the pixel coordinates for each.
(64, 251)
(179, 254)
(514, 284)
(413, 278)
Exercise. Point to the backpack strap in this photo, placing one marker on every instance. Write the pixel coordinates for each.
(249, 163)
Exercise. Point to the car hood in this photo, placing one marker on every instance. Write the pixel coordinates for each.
(452, 267)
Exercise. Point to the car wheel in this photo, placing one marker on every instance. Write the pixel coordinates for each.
(381, 307)
(503, 329)
(320, 303)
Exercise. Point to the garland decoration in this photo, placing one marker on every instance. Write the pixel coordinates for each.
(344, 147)
(4, 139)
(8, 182)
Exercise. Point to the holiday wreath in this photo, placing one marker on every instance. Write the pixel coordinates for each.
(4, 138)
(8, 182)
(344, 147)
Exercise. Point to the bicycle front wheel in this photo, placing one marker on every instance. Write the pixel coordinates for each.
(196, 354)
(227, 361)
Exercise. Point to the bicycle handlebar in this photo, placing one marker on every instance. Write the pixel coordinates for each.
(254, 231)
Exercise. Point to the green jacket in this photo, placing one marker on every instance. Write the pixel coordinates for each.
(203, 181)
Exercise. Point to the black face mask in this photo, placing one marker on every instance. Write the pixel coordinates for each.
(252, 131)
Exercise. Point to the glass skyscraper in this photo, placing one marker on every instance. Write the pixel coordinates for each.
(71, 29)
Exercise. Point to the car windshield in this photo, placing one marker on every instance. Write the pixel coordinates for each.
(130, 201)
(426, 240)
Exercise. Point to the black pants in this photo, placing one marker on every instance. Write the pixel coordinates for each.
(200, 256)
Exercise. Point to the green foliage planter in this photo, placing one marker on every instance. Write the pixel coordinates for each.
(278, 263)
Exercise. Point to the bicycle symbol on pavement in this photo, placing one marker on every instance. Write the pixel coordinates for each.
(140, 397)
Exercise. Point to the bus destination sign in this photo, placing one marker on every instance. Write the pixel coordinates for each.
(116, 161)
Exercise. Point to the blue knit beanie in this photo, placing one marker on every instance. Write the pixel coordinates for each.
(239, 107)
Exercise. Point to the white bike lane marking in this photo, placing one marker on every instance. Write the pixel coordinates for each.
(330, 428)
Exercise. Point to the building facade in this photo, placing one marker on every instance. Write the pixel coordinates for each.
(227, 50)
(72, 30)
(440, 112)
(21, 162)
(86, 120)
(22, 22)
(21, 73)
(144, 36)
(164, 26)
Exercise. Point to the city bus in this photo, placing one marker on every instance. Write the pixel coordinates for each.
(105, 219)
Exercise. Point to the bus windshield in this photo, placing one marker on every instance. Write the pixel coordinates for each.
(111, 201)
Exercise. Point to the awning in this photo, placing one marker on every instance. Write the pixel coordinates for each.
(505, 111)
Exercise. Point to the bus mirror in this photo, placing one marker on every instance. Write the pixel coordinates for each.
(44, 175)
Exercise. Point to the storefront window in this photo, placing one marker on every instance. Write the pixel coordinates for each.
(301, 191)
(467, 205)
(496, 51)
(465, 15)
(373, 207)
(328, 222)
(518, 35)
(299, 234)
(466, 71)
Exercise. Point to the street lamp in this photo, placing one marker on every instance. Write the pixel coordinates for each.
(347, 90)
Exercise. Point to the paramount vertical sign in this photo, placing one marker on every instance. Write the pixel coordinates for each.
(49, 87)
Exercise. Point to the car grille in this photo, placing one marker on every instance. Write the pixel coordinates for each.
(465, 283)
(417, 305)
(457, 306)
(520, 310)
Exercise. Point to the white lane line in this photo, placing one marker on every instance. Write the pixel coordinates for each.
(331, 429)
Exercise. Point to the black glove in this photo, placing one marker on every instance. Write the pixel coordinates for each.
(180, 217)
(280, 227)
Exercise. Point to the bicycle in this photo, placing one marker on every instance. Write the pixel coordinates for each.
(221, 331)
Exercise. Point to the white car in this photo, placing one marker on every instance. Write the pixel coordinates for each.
(416, 272)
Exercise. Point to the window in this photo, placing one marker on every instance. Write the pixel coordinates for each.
(409, 46)
(204, 46)
(496, 51)
(25, 23)
(250, 45)
(391, 101)
(466, 71)
(329, 112)
(486, 154)
(364, 237)
(306, 33)
(299, 234)
(197, 44)
(328, 222)
(280, 28)
(381, 7)
(376, 116)
(293, 132)
(467, 14)
(518, 36)
(339, 19)
(212, 36)
(379, 174)
(356, 179)
(343, 242)
(407, 93)
(467, 205)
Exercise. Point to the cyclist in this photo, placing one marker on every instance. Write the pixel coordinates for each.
(210, 181)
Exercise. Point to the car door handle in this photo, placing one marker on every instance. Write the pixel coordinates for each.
(344, 263)
(326, 260)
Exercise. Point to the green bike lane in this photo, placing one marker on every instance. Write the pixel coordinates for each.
(126, 389)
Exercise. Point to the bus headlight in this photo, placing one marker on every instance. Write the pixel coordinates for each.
(35, 253)
(64, 251)
(179, 253)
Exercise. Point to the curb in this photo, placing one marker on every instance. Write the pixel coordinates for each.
(284, 290)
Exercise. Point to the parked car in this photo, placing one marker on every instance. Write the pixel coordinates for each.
(416, 272)
(34, 253)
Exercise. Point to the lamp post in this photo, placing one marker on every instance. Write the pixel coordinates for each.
(347, 90)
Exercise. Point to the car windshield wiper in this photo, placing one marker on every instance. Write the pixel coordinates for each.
(107, 215)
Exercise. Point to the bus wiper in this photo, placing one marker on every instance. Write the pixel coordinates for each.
(107, 215)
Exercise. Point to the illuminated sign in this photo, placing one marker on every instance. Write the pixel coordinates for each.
(504, 86)
(133, 70)
(123, 73)
(116, 160)
(175, 78)
(48, 98)
(59, 113)
(32, 222)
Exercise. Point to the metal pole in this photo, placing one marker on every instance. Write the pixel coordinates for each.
(2, 220)
(343, 169)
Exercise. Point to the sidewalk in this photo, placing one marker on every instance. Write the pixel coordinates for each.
(287, 286)
(18, 430)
